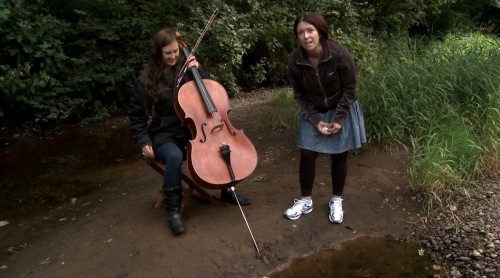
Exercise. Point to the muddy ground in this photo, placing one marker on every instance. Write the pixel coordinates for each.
(115, 231)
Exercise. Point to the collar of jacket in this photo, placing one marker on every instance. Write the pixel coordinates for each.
(302, 58)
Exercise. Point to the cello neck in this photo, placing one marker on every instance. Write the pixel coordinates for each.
(211, 108)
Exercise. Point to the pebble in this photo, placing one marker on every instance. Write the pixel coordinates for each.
(465, 240)
(476, 254)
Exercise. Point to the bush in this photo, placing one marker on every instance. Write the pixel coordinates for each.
(33, 67)
(443, 100)
(76, 60)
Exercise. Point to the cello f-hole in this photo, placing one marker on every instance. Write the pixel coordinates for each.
(204, 139)
(230, 131)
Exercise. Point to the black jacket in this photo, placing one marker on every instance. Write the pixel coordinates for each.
(166, 125)
(332, 85)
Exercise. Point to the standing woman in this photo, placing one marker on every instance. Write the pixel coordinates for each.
(157, 129)
(322, 74)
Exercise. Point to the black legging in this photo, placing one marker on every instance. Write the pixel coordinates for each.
(307, 171)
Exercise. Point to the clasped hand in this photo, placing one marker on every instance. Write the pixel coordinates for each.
(328, 128)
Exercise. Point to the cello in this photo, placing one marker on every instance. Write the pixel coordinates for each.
(219, 155)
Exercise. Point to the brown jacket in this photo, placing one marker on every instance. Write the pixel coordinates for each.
(332, 85)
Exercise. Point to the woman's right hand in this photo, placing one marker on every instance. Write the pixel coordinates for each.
(191, 62)
(328, 128)
(147, 150)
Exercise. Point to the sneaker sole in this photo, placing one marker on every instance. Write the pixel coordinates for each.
(298, 216)
(335, 222)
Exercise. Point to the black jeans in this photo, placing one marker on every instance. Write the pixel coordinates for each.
(172, 155)
(307, 171)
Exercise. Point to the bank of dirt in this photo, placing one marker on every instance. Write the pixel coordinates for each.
(115, 231)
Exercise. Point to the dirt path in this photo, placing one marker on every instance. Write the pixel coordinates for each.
(115, 232)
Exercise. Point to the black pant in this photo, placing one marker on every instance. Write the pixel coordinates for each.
(307, 171)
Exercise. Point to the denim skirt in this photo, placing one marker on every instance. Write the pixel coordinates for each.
(351, 136)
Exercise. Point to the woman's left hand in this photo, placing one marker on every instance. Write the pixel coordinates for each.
(191, 62)
(329, 128)
(335, 127)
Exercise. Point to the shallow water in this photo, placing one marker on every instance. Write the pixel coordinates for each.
(48, 172)
(363, 257)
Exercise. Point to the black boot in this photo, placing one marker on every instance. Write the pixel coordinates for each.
(226, 195)
(173, 201)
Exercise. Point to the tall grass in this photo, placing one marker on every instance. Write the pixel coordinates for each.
(443, 99)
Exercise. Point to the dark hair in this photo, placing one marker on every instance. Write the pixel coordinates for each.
(154, 69)
(162, 38)
(315, 19)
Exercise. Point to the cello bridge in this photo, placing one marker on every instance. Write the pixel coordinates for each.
(219, 127)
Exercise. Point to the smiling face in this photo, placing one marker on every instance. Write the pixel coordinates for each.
(170, 54)
(309, 37)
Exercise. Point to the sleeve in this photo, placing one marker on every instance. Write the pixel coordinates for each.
(300, 95)
(349, 87)
(138, 116)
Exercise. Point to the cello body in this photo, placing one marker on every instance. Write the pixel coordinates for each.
(218, 154)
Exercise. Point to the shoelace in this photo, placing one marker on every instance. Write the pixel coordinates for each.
(337, 206)
(300, 203)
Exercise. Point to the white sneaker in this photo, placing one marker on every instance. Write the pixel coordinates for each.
(336, 212)
(299, 207)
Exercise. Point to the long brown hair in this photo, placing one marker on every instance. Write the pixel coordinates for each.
(315, 19)
(155, 68)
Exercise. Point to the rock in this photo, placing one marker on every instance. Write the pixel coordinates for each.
(476, 254)
(466, 237)
(490, 270)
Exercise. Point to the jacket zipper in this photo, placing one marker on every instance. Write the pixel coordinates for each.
(321, 86)
(319, 80)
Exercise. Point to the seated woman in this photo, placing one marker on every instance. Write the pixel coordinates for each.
(156, 127)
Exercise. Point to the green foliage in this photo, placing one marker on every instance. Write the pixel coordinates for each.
(444, 161)
(444, 100)
(473, 12)
(395, 18)
(77, 59)
(32, 67)
(109, 44)
(265, 61)
(225, 44)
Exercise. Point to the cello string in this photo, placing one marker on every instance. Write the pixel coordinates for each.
(217, 122)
